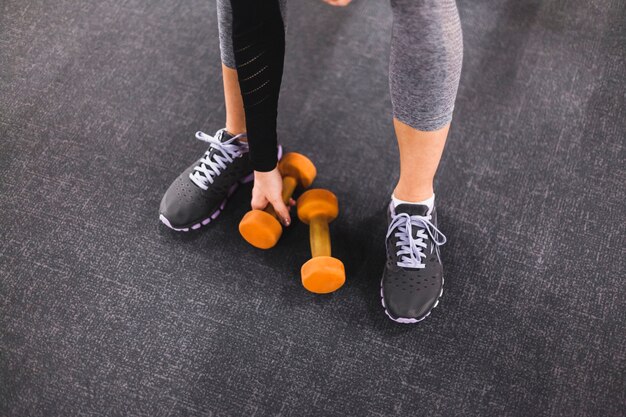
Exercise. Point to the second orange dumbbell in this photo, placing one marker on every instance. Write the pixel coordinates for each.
(322, 273)
(261, 228)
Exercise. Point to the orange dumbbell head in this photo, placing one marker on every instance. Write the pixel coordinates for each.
(299, 167)
(260, 229)
(323, 274)
(317, 203)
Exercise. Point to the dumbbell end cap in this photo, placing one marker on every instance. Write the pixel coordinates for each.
(317, 202)
(260, 229)
(298, 166)
(323, 274)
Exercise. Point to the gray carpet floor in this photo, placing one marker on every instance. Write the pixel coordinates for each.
(105, 312)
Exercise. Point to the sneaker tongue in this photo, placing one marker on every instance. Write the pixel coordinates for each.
(412, 209)
(224, 136)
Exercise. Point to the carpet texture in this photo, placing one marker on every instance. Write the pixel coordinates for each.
(105, 312)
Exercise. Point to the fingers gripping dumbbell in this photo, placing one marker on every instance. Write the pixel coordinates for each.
(322, 273)
(261, 228)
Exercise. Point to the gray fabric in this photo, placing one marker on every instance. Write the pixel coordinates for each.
(105, 312)
(424, 64)
(425, 61)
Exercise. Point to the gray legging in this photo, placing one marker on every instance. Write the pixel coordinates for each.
(425, 61)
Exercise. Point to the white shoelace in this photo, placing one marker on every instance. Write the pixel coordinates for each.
(210, 166)
(412, 248)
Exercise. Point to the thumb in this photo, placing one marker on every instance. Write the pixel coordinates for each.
(281, 210)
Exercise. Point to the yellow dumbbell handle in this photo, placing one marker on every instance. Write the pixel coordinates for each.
(319, 237)
(289, 186)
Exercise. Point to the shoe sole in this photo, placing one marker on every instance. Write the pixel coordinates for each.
(405, 320)
(245, 180)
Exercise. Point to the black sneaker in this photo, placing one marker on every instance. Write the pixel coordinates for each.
(413, 278)
(200, 193)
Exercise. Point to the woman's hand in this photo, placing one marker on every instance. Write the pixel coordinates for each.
(268, 188)
(341, 3)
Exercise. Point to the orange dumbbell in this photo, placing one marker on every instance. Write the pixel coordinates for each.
(261, 228)
(322, 273)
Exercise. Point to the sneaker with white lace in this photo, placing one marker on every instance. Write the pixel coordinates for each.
(413, 277)
(200, 192)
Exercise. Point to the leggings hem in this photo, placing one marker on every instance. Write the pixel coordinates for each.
(425, 124)
(228, 65)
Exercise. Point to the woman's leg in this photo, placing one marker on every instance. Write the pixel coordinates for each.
(424, 70)
(235, 116)
(198, 194)
(425, 67)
